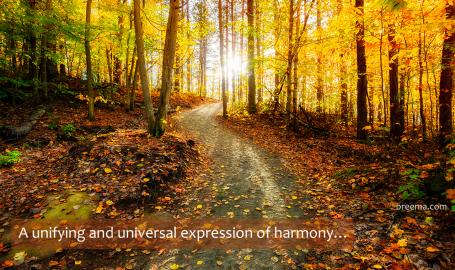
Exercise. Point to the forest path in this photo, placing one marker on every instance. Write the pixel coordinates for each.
(243, 181)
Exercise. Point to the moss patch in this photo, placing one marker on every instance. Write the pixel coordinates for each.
(73, 206)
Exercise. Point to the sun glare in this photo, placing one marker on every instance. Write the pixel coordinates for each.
(235, 64)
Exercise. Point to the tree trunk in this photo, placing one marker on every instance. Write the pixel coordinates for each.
(168, 64)
(226, 51)
(109, 64)
(118, 69)
(178, 70)
(150, 117)
(362, 82)
(381, 67)
(233, 78)
(343, 84)
(241, 36)
(134, 88)
(396, 130)
(422, 114)
(91, 94)
(190, 57)
(446, 82)
(319, 80)
(202, 20)
(251, 78)
(289, 66)
(276, 36)
(222, 64)
(295, 66)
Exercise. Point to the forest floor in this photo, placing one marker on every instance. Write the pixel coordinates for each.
(341, 178)
(243, 167)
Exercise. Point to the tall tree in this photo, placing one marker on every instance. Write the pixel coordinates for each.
(223, 74)
(276, 36)
(88, 57)
(343, 84)
(319, 80)
(190, 56)
(296, 64)
(233, 53)
(149, 114)
(396, 130)
(290, 60)
(396, 97)
(202, 21)
(362, 82)
(251, 59)
(422, 114)
(168, 64)
(117, 61)
(446, 81)
(259, 56)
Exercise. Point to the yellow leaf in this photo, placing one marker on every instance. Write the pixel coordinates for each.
(294, 197)
(77, 262)
(377, 266)
(145, 180)
(109, 202)
(200, 262)
(107, 170)
(402, 242)
(99, 209)
(247, 257)
(174, 266)
(199, 206)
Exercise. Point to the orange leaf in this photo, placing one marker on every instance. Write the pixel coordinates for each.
(411, 220)
(432, 249)
(451, 194)
(8, 263)
(53, 263)
(424, 174)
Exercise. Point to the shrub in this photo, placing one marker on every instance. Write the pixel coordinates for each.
(412, 190)
(68, 130)
(10, 158)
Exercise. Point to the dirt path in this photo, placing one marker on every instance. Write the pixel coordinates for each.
(242, 181)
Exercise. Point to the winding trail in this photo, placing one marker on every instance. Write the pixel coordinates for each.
(243, 181)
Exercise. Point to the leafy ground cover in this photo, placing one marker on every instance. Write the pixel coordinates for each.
(68, 167)
(366, 183)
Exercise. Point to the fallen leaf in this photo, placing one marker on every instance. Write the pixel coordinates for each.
(7, 263)
(19, 257)
(402, 242)
(433, 249)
